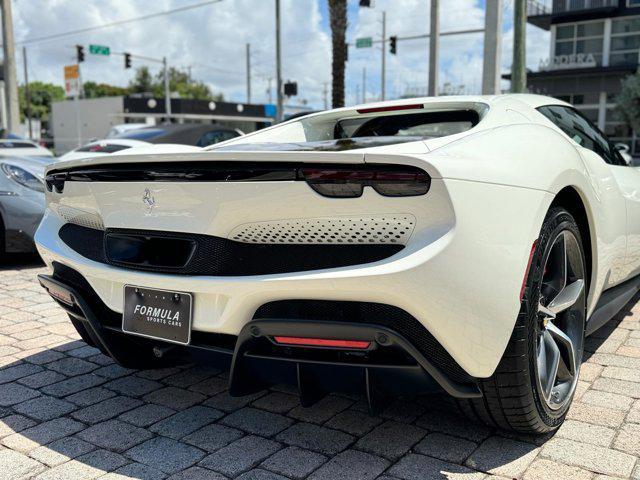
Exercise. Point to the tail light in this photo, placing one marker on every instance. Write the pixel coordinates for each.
(349, 183)
(323, 342)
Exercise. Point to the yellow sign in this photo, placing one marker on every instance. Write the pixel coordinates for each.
(70, 71)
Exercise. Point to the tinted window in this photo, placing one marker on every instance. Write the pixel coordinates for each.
(17, 145)
(142, 133)
(215, 136)
(582, 131)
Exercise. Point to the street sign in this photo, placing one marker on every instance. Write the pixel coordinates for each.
(364, 42)
(99, 50)
(71, 80)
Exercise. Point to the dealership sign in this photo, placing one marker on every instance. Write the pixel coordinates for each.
(575, 60)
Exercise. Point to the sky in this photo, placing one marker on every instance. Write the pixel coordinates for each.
(211, 39)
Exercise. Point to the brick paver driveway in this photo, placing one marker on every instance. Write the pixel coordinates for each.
(68, 412)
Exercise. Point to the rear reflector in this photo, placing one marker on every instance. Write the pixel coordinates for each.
(392, 108)
(323, 342)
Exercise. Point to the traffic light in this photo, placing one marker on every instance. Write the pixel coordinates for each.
(127, 60)
(80, 53)
(393, 45)
(291, 89)
(365, 3)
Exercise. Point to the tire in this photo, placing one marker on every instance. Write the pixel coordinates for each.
(514, 397)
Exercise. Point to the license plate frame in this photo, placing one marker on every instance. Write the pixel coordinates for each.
(159, 323)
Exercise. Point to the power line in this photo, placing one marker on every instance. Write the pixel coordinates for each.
(116, 23)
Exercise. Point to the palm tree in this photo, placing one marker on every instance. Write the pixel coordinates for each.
(338, 21)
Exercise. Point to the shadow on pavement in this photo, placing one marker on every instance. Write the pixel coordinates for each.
(11, 261)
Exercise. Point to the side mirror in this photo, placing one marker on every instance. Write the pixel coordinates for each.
(623, 150)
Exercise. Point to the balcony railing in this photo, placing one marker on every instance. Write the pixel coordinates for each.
(546, 7)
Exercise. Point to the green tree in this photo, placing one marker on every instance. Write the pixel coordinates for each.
(42, 95)
(628, 101)
(179, 82)
(97, 90)
(142, 82)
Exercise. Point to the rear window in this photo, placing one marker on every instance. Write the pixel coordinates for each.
(103, 148)
(17, 145)
(141, 133)
(353, 129)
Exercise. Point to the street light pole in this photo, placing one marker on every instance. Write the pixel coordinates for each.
(279, 107)
(492, 44)
(167, 94)
(27, 97)
(518, 72)
(248, 73)
(10, 76)
(384, 53)
(434, 40)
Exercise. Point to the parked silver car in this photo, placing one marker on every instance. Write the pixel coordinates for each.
(21, 201)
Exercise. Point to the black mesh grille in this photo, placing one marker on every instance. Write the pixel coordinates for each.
(372, 313)
(218, 256)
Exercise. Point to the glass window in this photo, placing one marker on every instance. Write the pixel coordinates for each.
(626, 25)
(565, 32)
(586, 37)
(581, 131)
(625, 41)
(215, 136)
(590, 29)
(624, 58)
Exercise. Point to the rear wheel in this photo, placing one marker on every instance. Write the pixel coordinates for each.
(533, 386)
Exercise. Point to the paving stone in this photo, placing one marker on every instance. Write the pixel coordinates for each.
(453, 424)
(542, 469)
(72, 385)
(354, 422)
(621, 373)
(351, 464)
(607, 417)
(12, 393)
(44, 357)
(42, 434)
(106, 409)
(90, 396)
(86, 467)
(85, 351)
(314, 437)
(445, 447)
(321, 411)
(186, 422)
(132, 386)
(197, 473)
(190, 376)
(146, 415)
(213, 437)
(16, 466)
(502, 456)
(634, 413)
(157, 373)
(240, 456)
(628, 439)
(401, 411)
(607, 400)
(586, 432)
(294, 462)
(115, 435)
(61, 451)
(44, 408)
(615, 360)
(165, 454)
(259, 474)
(391, 439)
(210, 386)
(134, 470)
(590, 457)
(225, 402)
(176, 398)
(277, 402)
(41, 379)
(14, 423)
(620, 387)
(256, 421)
(113, 371)
(18, 371)
(71, 366)
(420, 467)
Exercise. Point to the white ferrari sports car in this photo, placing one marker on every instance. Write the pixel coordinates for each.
(465, 244)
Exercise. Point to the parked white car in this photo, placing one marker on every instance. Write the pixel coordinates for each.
(459, 243)
(22, 148)
(102, 147)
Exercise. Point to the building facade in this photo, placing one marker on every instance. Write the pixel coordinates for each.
(594, 45)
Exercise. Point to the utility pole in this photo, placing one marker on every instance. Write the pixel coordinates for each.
(434, 40)
(325, 93)
(492, 50)
(518, 72)
(384, 53)
(27, 97)
(364, 84)
(248, 73)
(269, 92)
(167, 94)
(279, 106)
(10, 76)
